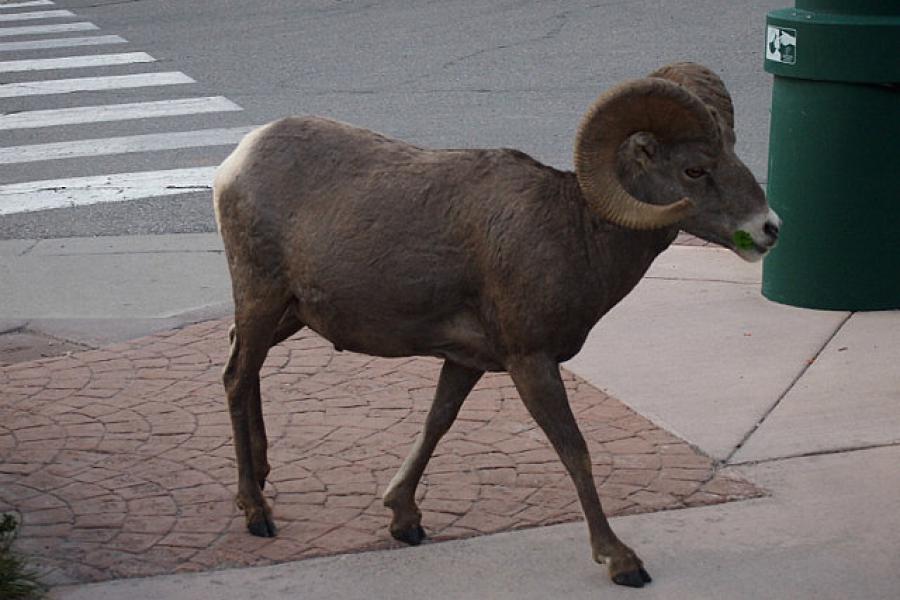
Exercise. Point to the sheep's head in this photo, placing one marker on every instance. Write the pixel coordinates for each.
(659, 152)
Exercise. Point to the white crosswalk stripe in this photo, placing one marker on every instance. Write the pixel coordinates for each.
(88, 187)
(75, 62)
(92, 84)
(42, 29)
(122, 145)
(116, 112)
(27, 4)
(94, 40)
(119, 187)
(41, 14)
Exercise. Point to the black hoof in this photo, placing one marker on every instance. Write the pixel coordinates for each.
(633, 579)
(263, 528)
(413, 536)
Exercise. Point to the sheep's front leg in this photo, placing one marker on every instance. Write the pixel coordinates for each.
(454, 384)
(539, 384)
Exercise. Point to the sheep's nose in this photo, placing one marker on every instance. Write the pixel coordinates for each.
(771, 228)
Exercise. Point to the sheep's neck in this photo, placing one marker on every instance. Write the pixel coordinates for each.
(614, 258)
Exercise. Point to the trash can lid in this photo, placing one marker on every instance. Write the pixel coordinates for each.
(853, 7)
(827, 42)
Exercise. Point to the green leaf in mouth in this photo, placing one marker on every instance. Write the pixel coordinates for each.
(743, 240)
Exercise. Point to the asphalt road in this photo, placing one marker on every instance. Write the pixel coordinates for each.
(464, 73)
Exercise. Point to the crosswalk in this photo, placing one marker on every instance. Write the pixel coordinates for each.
(121, 145)
(42, 29)
(30, 16)
(74, 62)
(118, 187)
(88, 40)
(116, 112)
(92, 84)
(62, 82)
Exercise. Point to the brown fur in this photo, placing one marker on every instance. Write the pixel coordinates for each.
(485, 258)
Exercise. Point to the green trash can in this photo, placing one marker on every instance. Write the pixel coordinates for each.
(834, 154)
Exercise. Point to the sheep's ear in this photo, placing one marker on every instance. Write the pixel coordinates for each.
(640, 149)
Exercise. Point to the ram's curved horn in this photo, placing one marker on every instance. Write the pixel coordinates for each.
(704, 83)
(670, 112)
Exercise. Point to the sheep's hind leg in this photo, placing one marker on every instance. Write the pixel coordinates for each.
(288, 325)
(539, 384)
(251, 338)
(454, 384)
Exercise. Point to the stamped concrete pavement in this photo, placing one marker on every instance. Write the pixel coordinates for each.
(119, 461)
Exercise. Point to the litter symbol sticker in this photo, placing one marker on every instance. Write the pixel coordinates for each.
(781, 45)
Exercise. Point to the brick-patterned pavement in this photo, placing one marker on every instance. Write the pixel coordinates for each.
(120, 460)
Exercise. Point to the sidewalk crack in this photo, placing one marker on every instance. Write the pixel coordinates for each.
(787, 390)
(841, 450)
(29, 248)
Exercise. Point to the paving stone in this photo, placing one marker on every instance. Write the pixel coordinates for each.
(120, 459)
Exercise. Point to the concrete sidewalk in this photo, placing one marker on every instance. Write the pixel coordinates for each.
(76, 293)
(805, 404)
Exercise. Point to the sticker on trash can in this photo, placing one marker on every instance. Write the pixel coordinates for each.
(781, 45)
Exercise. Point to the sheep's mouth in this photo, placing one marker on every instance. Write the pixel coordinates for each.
(753, 246)
(754, 255)
(746, 246)
(762, 249)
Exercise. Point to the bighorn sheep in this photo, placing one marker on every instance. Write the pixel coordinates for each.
(484, 258)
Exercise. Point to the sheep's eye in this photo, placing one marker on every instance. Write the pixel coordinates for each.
(695, 172)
